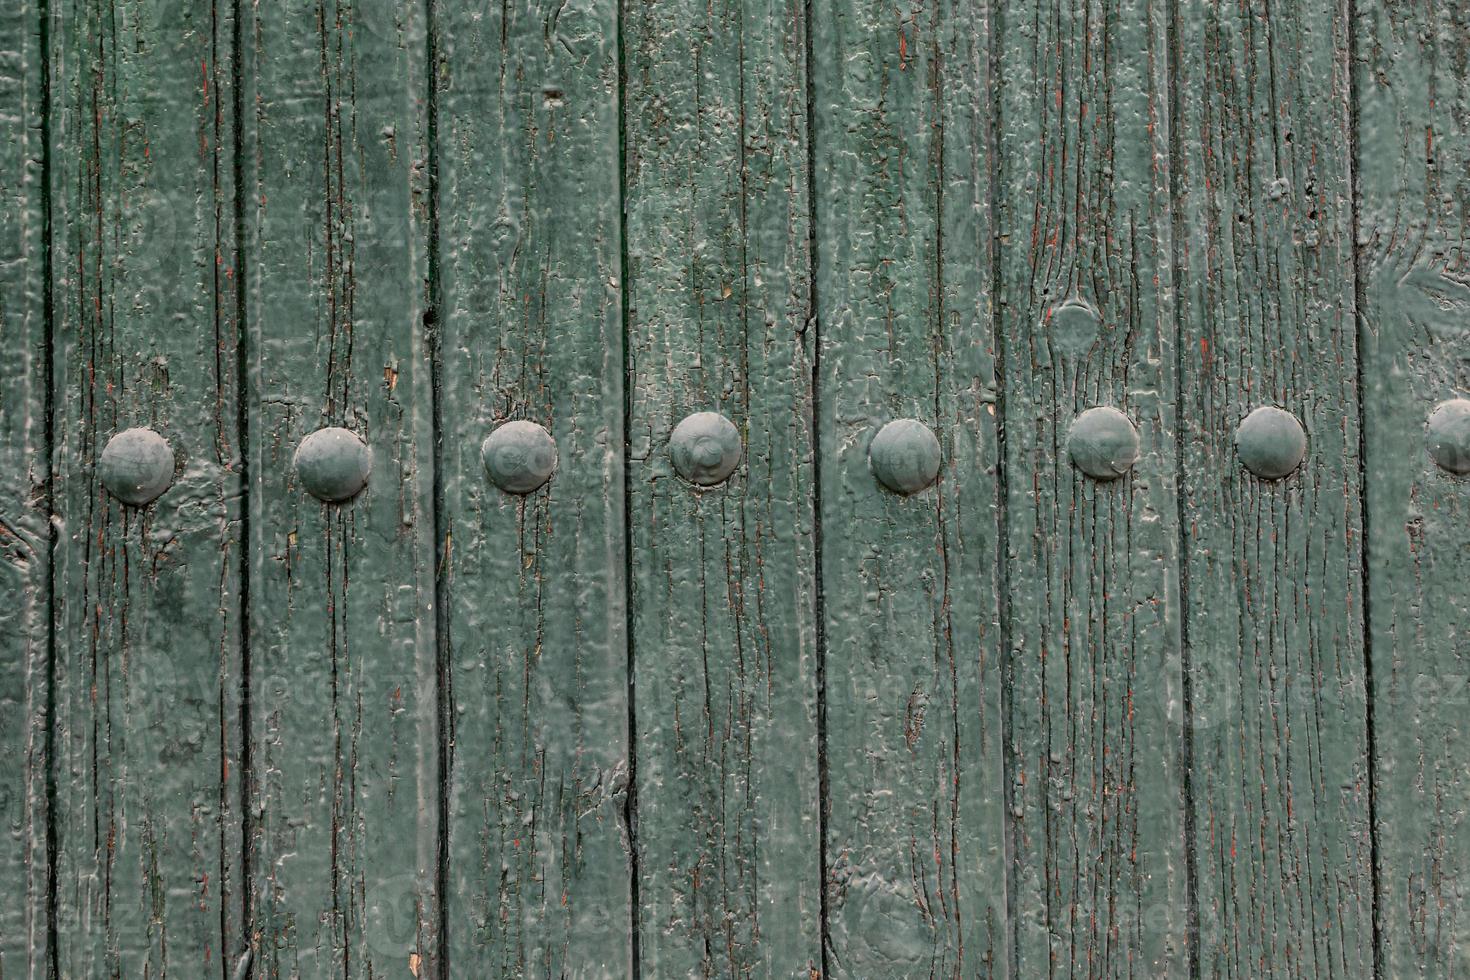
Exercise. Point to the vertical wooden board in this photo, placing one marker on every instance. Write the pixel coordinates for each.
(914, 835)
(147, 644)
(25, 532)
(1413, 151)
(723, 624)
(343, 671)
(1275, 629)
(1092, 566)
(531, 321)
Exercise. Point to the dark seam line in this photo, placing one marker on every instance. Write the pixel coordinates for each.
(819, 598)
(444, 677)
(53, 537)
(944, 625)
(242, 427)
(1360, 303)
(630, 798)
(1186, 657)
(1002, 495)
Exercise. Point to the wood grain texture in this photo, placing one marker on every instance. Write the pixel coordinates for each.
(146, 720)
(530, 313)
(1413, 150)
(1277, 698)
(25, 470)
(915, 845)
(1093, 567)
(723, 623)
(1188, 723)
(343, 671)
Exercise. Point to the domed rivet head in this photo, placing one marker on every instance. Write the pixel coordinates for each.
(1271, 442)
(136, 466)
(1103, 443)
(705, 448)
(1074, 326)
(1449, 435)
(904, 456)
(519, 456)
(333, 464)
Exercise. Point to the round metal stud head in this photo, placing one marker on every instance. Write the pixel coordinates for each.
(1270, 442)
(904, 456)
(333, 464)
(1103, 443)
(136, 466)
(705, 448)
(1074, 326)
(519, 456)
(1449, 435)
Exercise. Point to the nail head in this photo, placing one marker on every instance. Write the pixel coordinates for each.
(1074, 326)
(904, 456)
(1103, 443)
(1449, 435)
(136, 466)
(333, 464)
(705, 448)
(519, 456)
(1271, 442)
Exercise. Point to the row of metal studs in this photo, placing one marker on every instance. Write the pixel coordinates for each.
(333, 464)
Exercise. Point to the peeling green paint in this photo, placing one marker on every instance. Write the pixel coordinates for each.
(1068, 709)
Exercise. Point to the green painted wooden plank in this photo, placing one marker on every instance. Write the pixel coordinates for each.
(723, 625)
(1413, 150)
(343, 659)
(531, 312)
(915, 830)
(1275, 629)
(147, 720)
(25, 534)
(1093, 566)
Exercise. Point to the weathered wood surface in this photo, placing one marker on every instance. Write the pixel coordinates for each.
(25, 530)
(914, 836)
(1184, 723)
(723, 616)
(146, 720)
(1413, 151)
(1091, 572)
(343, 662)
(529, 307)
(1280, 785)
